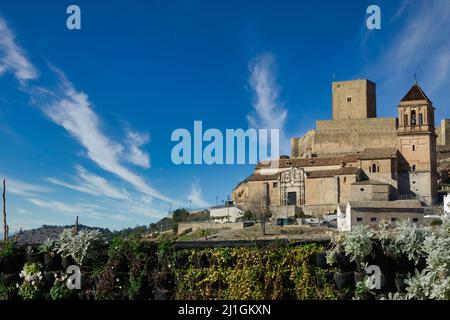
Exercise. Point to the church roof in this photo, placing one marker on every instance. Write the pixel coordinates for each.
(378, 153)
(332, 173)
(415, 93)
(398, 206)
(258, 177)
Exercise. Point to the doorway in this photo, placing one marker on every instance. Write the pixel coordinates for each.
(292, 198)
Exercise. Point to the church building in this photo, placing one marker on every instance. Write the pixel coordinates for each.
(356, 156)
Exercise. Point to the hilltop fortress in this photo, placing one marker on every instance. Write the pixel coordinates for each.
(355, 156)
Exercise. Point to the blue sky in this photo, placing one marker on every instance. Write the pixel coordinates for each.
(86, 116)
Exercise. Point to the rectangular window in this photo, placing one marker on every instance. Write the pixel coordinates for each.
(359, 219)
(373, 219)
(414, 167)
(414, 147)
(394, 219)
(415, 220)
(349, 99)
(275, 184)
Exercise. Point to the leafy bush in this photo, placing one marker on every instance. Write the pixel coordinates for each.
(49, 246)
(436, 222)
(358, 244)
(80, 246)
(60, 291)
(253, 273)
(366, 286)
(32, 281)
(7, 249)
(6, 291)
(406, 239)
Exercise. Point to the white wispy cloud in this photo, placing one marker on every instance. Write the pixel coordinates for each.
(196, 196)
(421, 45)
(72, 110)
(90, 183)
(134, 141)
(22, 188)
(69, 209)
(12, 57)
(401, 9)
(268, 112)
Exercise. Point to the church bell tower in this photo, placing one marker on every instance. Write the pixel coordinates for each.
(417, 145)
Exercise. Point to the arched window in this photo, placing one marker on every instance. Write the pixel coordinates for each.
(405, 119)
(374, 168)
(420, 119)
(413, 118)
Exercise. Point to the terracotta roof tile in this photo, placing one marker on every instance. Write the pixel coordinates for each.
(415, 93)
(378, 153)
(332, 173)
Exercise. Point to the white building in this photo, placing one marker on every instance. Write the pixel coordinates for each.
(225, 213)
(370, 213)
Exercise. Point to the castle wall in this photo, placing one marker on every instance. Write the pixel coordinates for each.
(355, 135)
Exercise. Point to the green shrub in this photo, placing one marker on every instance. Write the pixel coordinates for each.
(436, 222)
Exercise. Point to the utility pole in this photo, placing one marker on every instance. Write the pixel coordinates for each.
(5, 225)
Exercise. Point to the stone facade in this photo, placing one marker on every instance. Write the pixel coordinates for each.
(356, 156)
(354, 100)
(443, 133)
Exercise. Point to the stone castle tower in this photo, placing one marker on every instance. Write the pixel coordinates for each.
(354, 99)
(417, 145)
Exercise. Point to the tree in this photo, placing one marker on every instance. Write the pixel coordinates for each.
(259, 206)
(247, 216)
(180, 215)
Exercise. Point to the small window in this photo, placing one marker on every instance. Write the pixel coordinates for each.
(414, 147)
(359, 219)
(275, 185)
(373, 219)
(394, 219)
(414, 182)
(414, 167)
(413, 118)
(362, 189)
(420, 119)
(345, 179)
(415, 220)
(349, 99)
